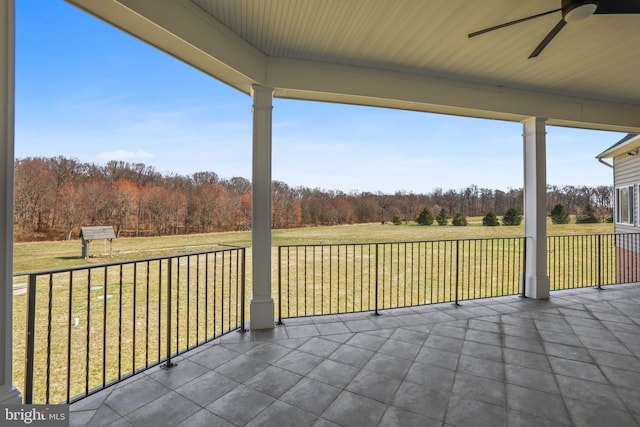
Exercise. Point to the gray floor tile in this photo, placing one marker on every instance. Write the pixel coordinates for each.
(399, 417)
(350, 355)
(479, 388)
(587, 371)
(481, 367)
(464, 412)
(375, 386)
(622, 377)
(360, 325)
(204, 418)
(588, 414)
(320, 346)
(602, 394)
(302, 331)
(214, 356)
(387, 365)
(240, 405)
(401, 349)
(526, 359)
(353, 410)
(431, 376)
(367, 341)
(422, 400)
(444, 343)
(136, 394)
(268, 352)
(460, 372)
(241, 368)
(281, 414)
(311, 395)
(156, 413)
(483, 337)
(299, 362)
(524, 344)
(184, 371)
(537, 403)
(448, 331)
(483, 351)
(614, 360)
(332, 328)
(410, 335)
(483, 325)
(103, 416)
(273, 381)
(520, 419)
(436, 357)
(606, 345)
(334, 373)
(531, 378)
(207, 388)
(631, 397)
(568, 352)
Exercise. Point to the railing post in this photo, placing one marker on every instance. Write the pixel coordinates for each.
(523, 276)
(457, 269)
(600, 262)
(30, 343)
(242, 291)
(280, 322)
(168, 363)
(375, 313)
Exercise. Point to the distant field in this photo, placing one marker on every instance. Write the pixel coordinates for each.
(35, 256)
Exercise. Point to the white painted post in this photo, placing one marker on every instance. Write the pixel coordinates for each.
(8, 393)
(535, 207)
(261, 307)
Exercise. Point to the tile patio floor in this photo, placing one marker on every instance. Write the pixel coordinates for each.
(572, 360)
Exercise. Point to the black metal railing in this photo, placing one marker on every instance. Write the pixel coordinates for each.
(89, 327)
(576, 261)
(344, 278)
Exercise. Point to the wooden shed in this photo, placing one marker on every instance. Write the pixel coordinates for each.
(87, 234)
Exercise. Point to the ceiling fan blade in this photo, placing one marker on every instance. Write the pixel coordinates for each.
(507, 24)
(554, 32)
(618, 7)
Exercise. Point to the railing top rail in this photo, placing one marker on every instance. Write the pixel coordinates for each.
(395, 242)
(126, 262)
(594, 234)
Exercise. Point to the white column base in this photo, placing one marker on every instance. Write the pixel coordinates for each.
(9, 395)
(261, 314)
(537, 287)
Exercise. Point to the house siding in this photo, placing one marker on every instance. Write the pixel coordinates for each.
(626, 172)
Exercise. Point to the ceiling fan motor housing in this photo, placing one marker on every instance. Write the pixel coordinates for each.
(577, 10)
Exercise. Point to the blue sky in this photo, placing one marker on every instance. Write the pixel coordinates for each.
(87, 90)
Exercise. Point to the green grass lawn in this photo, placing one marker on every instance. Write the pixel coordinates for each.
(35, 256)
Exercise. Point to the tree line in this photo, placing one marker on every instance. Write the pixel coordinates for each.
(55, 196)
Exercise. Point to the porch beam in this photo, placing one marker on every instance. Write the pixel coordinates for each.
(536, 279)
(261, 307)
(8, 393)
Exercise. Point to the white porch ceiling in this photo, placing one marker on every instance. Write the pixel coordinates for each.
(407, 54)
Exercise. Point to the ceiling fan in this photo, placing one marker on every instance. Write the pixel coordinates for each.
(572, 11)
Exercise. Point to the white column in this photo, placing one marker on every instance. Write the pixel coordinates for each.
(535, 208)
(8, 394)
(261, 308)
